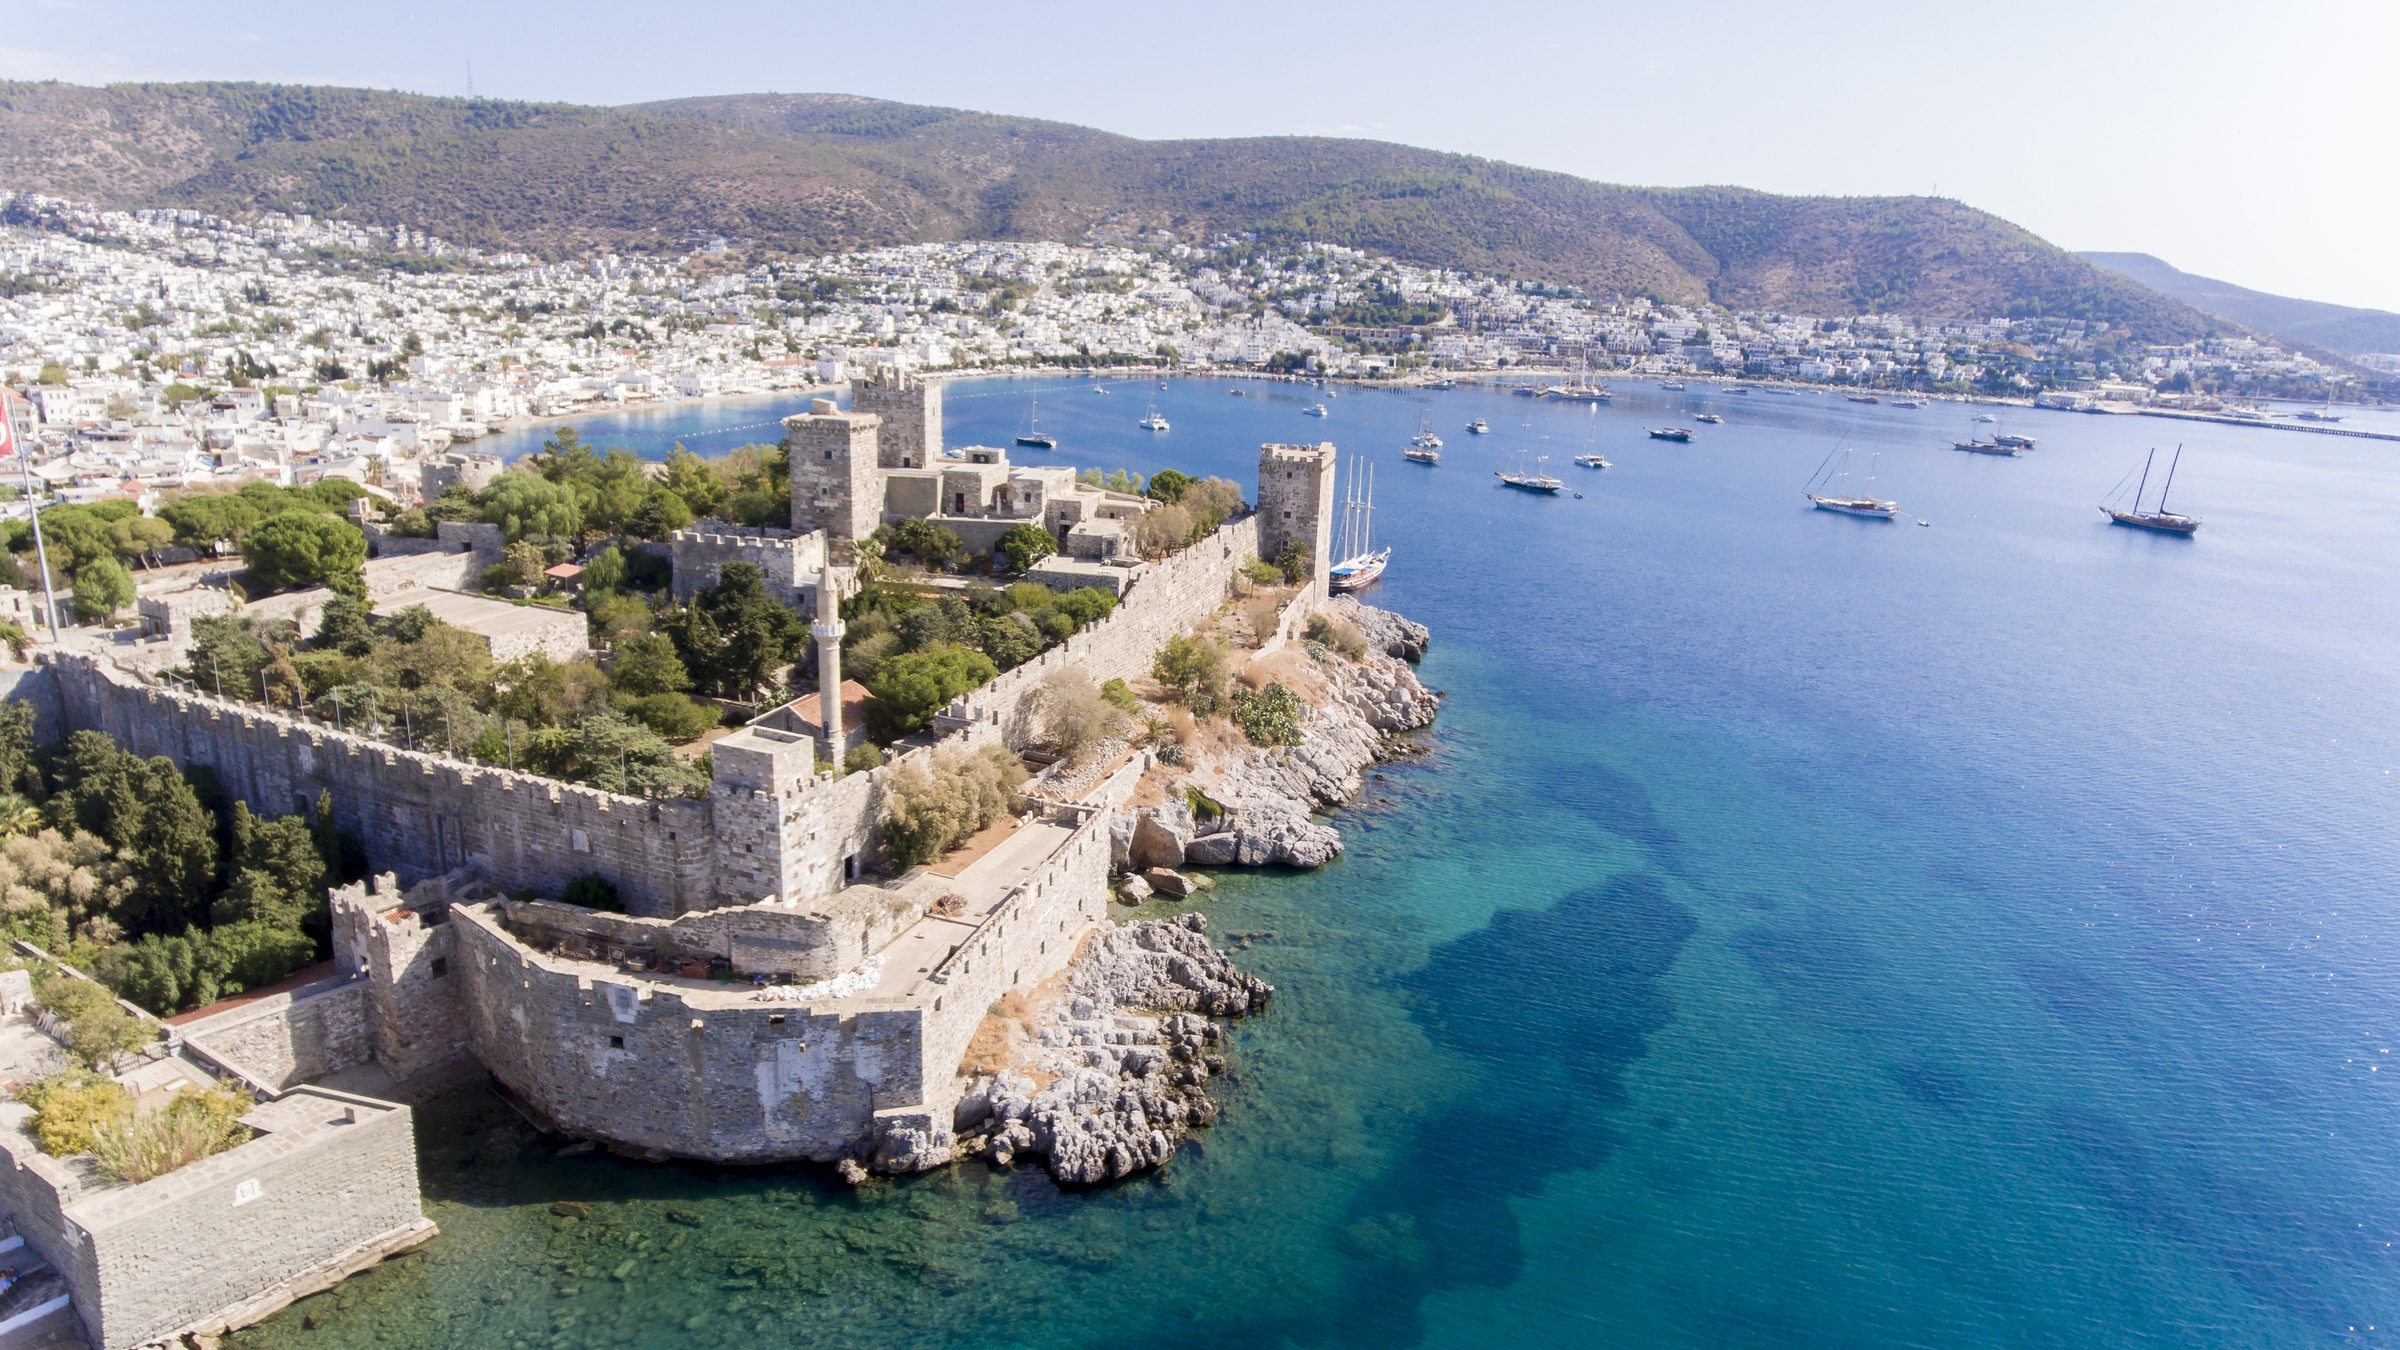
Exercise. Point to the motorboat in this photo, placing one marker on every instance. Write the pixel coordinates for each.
(1711, 418)
(1680, 435)
(1478, 427)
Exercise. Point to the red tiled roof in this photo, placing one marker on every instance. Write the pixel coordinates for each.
(854, 708)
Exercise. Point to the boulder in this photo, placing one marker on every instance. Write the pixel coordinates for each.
(1169, 882)
(1213, 850)
(1134, 890)
(1160, 834)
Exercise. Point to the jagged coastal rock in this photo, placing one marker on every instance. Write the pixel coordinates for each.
(1270, 795)
(1112, 1069)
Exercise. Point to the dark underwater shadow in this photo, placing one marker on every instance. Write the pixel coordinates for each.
(1551, 1007)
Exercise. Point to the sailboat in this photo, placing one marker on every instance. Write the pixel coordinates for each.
(1033, 430)
(1151, 421)
(1425, 439)
(2161, 520)
(1361, 563)
(1537, 481)
(1831, 493)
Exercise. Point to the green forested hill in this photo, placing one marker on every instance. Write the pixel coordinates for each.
(818, 172)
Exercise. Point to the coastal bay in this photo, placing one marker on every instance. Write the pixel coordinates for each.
(1799, 929)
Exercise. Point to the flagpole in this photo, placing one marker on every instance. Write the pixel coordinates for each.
(41, 551)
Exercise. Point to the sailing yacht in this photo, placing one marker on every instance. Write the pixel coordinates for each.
(2161, 521)
(1034, 436)
(1154, 422)
(1537, 481)
(1425, 439)
(1832, 494)
(1361, 563)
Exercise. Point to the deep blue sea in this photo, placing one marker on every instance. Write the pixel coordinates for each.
(1803, 931)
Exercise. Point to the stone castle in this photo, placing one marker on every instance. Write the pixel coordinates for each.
(772, 991)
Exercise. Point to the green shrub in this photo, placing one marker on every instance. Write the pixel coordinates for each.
(1026, 545)
(1120, 696)
(70, 1107)
(593, 891)
(98, 1030)
(1293, 560)
(1270, 716)
(1338, 633)
(910, 688)
(1197, 669)
(861, 758)
(929, 811)
(192, 1126)
(102, 587)
(1263, 572)
(678, 717)
(1204, 807)
(1087, 605)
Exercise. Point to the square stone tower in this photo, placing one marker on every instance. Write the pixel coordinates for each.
(1296, 501)
(911, 409)
(837, 485)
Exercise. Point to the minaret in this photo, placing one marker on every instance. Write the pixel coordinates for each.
(827, 630)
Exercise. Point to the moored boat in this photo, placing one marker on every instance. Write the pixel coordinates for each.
(2162, 520)
(1033, 434)
(1478, 427)
(1537, 481)
(1681, 435)
(1975, 447)
(1829, 491)
(1677, 385)
(1421, 455)
(1315, 410)
(1361, 563)
(1591, 461)
(1710, 418)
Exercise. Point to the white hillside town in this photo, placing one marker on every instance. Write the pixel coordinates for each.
(163, 349)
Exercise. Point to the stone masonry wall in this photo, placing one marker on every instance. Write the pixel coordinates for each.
(911, 409)
(329, 1173)
(1170, 598)
(790, 562)
(1024, 941)
(290, 1038)
(418, 814)
(637, 1066)
(616, 1058)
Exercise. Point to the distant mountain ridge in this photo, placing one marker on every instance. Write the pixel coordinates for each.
(827, 172)
(2306, 323)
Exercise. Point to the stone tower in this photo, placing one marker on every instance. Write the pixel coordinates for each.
(837, 485)
(911, 409)
(1296, 501)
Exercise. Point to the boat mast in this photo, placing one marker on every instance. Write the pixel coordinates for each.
(2170, 487)
(2137, 488)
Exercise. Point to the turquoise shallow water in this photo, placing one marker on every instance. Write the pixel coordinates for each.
(1802, 931)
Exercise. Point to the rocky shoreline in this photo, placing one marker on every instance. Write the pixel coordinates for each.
(1114, 1068)
(1106, 1073)
(1270, 796)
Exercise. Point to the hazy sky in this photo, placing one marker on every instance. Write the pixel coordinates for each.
(2252, 142)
